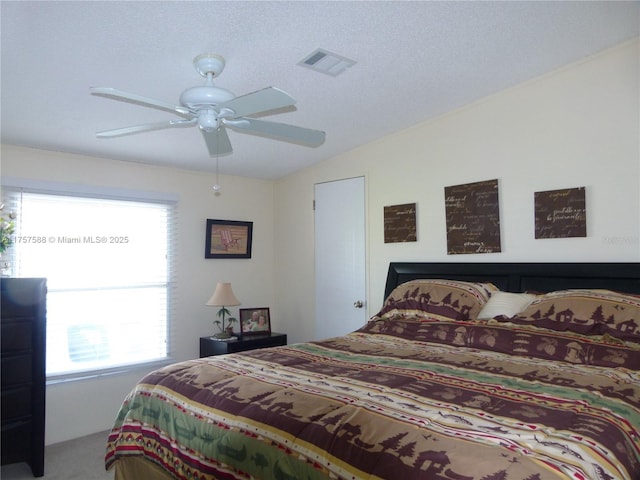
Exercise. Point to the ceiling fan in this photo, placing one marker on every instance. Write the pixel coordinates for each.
(214, 109)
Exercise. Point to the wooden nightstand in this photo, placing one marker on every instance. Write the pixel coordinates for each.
(210, 346)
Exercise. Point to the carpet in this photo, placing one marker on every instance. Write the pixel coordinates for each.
(77, 459)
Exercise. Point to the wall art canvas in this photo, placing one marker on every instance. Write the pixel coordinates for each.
(400, 223)
(473, 218)
(560, 213)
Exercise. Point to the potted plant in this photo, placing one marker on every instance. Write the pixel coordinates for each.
(7, 227)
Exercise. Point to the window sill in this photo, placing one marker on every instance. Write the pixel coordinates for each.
(141, 368)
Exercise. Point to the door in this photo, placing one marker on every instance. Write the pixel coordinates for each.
(340, 257)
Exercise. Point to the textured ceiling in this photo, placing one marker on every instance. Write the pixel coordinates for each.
(415, 60)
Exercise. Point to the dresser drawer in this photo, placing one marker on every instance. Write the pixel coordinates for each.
(16, 335)
(16, 440)
(15, 306)
(16, 403)
(16, 370)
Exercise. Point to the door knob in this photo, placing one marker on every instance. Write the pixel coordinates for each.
(358, 304)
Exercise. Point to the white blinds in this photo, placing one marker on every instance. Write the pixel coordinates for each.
(107, 264)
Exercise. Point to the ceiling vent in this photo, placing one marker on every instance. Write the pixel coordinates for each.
(326, 62)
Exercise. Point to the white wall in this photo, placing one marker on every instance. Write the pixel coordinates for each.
(575, 127)
(79, 408)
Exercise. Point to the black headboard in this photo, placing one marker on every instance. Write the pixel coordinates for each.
(521, 277)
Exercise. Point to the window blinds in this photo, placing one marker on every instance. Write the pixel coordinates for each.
(108, 267)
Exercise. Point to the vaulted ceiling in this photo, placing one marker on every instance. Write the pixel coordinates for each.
(414, 60)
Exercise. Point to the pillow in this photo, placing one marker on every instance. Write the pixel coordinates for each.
(589, 312)
(449, 299)
(505, 304)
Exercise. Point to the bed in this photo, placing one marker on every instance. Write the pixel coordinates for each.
(470, 371)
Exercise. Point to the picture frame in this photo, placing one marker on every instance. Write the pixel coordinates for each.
(255, 321)
(228, 239)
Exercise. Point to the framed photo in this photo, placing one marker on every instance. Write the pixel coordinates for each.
(228, 239)
(254, 321)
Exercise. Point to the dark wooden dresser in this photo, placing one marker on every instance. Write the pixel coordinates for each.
(22, 356)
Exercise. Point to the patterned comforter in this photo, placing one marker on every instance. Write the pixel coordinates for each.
(398, 399)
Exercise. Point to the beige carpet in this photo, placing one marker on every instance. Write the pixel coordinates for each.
(78, 459)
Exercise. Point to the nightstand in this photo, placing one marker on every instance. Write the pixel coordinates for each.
(210, 346)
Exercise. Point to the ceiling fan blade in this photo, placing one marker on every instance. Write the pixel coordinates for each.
(147, 127)
(218, 142)
(278, 131)
(269, 98)
(116, 94)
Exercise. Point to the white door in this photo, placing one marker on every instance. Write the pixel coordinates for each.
(340, 257)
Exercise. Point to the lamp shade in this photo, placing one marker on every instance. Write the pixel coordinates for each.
(223, 296)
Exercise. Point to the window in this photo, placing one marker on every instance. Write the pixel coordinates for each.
(107, 264)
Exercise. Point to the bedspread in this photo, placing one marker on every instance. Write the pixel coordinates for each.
(395, 400)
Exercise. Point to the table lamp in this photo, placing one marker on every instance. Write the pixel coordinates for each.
(223, 297)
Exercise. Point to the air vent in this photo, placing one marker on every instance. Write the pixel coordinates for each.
(326, 62)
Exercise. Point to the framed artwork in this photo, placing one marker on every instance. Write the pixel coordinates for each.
(560, 213)
(254, 321)
(473, 218)
(228, 239)
(400, 223)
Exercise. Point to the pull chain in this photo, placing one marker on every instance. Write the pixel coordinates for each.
(217, 187)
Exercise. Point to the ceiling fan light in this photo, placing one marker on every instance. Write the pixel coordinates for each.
(208, 120)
